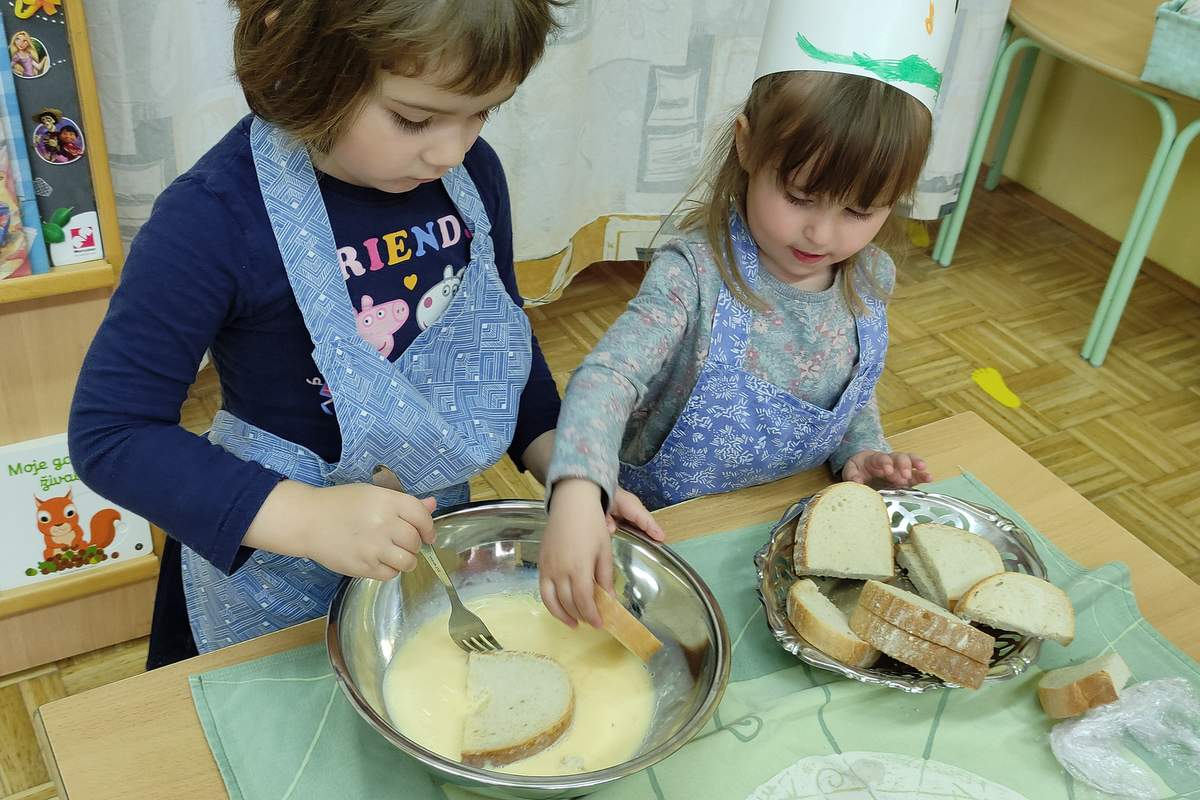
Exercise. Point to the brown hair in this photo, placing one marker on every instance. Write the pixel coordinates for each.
(308, 65)
(863, 141)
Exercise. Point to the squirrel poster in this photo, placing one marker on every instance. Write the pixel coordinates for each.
(58, 522)
(52, 524)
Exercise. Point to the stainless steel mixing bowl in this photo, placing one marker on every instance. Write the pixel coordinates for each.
(492, 547)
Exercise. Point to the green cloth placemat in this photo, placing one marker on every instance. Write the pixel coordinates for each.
(279, 727)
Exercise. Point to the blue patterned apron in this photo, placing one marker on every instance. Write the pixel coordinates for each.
(443, 412)
(738, 430)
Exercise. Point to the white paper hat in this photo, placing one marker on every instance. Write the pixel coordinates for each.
(900, 42)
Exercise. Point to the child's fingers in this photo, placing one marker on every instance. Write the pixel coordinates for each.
(382, 573)
(398, 558)
(416, 513)
(604, 575)
(852, 472)
(610, 522)
(550, 601)
(564, 588)
(646, 522)
(566, 607)
(650, 525)
(880, 465)
(912, 469)
(633, 512)
(405, 537)
(583, 588)
(920, 470)
(902, 464)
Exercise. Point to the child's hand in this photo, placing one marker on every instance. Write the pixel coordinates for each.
(368, 531)
(626, 507)
(896, 469)
(576, 552)
(357, 529)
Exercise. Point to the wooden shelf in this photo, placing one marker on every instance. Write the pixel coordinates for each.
(59, 280)
(48, 322)
(62, 590)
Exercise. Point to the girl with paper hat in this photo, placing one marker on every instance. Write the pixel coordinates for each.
(754, 345)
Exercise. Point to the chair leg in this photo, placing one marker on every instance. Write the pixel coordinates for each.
(975, 158)
(944, 225)
(1166, 118)
(1137, 252)
(939, 244)
(1015, 101)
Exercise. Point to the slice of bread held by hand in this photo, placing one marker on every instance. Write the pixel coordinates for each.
(624, 626)
(906, 556)
(954, 559)
(928, 657)
(521, 703)
(918, 616)
(1069, 691)
(825, 627)
(1014, 601)
(845, 533)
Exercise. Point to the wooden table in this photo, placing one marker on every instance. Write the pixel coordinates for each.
(140, 737)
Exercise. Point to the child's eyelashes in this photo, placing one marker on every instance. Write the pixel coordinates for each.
(408, 125)
(850, 210)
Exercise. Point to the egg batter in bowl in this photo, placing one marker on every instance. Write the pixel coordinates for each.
(425, 687)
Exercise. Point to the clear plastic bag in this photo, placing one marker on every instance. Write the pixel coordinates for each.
(1162, 716)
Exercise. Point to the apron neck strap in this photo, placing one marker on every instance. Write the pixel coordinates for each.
(465, 196)
(301, 225)
(731, 319)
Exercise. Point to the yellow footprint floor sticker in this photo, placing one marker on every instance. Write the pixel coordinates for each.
(918, 234)
(992, 382)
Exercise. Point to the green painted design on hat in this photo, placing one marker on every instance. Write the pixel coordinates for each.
(910, 69)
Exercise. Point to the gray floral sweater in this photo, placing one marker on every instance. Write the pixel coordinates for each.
(624, 399)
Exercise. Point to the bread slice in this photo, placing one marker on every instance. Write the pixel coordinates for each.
(955, 559)
(521, 703)
(921, 618)
(926, 656)
(906, 556)
(624, 626)
(1068, 691)
(1014, 601)
(825, 627)
(845, 533)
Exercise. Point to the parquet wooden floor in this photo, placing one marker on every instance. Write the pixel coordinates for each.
(1019, 298)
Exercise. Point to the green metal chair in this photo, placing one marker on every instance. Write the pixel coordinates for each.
(1155, 188)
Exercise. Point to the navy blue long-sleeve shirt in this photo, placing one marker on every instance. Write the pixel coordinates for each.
(205, 273)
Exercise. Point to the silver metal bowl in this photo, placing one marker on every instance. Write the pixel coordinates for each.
(492, 547)
(1013, 652)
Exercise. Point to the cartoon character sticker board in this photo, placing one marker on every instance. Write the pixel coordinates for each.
(51, 524)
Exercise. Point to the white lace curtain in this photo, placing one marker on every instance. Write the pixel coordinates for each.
(613, 121)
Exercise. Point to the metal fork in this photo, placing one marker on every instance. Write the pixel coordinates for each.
(466, 629)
